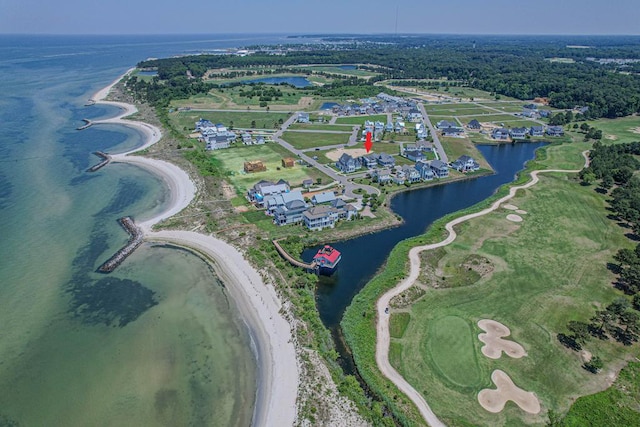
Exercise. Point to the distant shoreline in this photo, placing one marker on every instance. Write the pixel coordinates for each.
(258, 303)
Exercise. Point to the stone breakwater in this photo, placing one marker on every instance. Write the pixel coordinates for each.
(105, 160)
(134, 241)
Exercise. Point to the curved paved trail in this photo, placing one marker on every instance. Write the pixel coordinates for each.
(383, 337)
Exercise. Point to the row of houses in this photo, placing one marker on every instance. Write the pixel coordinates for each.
(288, 206)
(348, 164)
(215, 136)
(421, 171)
(522, 132)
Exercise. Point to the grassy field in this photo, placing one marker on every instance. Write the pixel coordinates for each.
(303, 140)
(496, 118)
(507, 107)
(546, 271)
(335, 69)
(456, 147)
(321, 126)
(614, 407)
(456, 110)
(229, 98)
(240, 119)
(233, 159)
(359, 120)
(619, 130)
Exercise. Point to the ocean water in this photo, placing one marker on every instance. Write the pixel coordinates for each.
(157, 342)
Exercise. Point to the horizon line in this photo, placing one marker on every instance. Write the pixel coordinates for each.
(327, 34)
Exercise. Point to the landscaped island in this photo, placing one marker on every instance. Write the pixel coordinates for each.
(270, 164)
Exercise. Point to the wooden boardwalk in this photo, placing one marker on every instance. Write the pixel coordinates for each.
(310, 267)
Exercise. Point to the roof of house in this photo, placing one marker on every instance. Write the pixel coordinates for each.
(386, 158)
(324, 197)
(318, 212)
(438, 164)
(474, 122)
(345, 158)
(328, 253)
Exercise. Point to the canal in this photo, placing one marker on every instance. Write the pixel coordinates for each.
(363, 256)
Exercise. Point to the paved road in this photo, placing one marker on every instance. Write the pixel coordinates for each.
(382, 327)
(342, 180)
(436, 141)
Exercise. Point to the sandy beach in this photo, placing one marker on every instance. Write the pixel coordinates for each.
(258, 303)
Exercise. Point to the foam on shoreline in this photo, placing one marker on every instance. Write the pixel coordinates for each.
(258, 303)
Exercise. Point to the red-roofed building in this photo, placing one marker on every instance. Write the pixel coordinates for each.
(327, 258)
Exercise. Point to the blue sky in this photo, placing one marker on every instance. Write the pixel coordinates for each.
(326, 16)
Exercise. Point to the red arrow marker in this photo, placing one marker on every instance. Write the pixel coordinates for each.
(368, 144)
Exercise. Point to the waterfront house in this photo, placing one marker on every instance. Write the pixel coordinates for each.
(440, 168)
(348, 164)
(275, 201)
(381, 175)
(289, 213)
(264, 189)
(411, 174)
(303, 118)
(474, 124)
(536, 131)
(324, 197)
(501, 134)
(414, 154)
(400, 177)
(555, 131)
(425, 171)
(319, 217)
(386, 160)
(465, 164)
(518, 133)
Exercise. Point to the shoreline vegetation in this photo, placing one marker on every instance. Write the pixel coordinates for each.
(258, 303)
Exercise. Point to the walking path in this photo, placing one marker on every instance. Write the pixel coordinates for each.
(383, 336)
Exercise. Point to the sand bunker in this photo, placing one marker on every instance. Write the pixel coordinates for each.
(514, 218)
(494, 344)
(494, 400)
(521, 212)
(354, 152)
(635, 130)
(510, 207)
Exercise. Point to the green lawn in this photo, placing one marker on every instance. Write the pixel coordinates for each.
(455, 110)
(507, 107)
(240, 119)
(619, 130)
(547, 270)
(320, 126)
(398, 323)
(456, 147)
(271, 154)
(496, 118)
(302, 140)
(359, 120)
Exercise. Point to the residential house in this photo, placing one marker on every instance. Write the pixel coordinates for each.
(555, 130)
(282, 199)
(532, 113)
(544, 113)
(465, 164)
(452, 131)
(386, 160)
(303, 118)
(414, 115)
(399, 127)
(319, 217)
(443, 124)
(348, 164)
(324, 197)
(421, 131)
(424, 146)
(440, 168)
(381, 175)
(289, 213)
(369, 161)
(414, 154)
(536, 131)
(474, 124)
(216, 143)
(247, 139)
(400, 177)
(264, 189)
(204, 124)
(425, 171)
(411, 174)
(307, 183)
(500, 134)
(518, 133)
(388, 127)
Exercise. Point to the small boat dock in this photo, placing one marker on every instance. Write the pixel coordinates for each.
(135, 240)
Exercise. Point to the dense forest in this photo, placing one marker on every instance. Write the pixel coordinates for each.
(521, 68)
